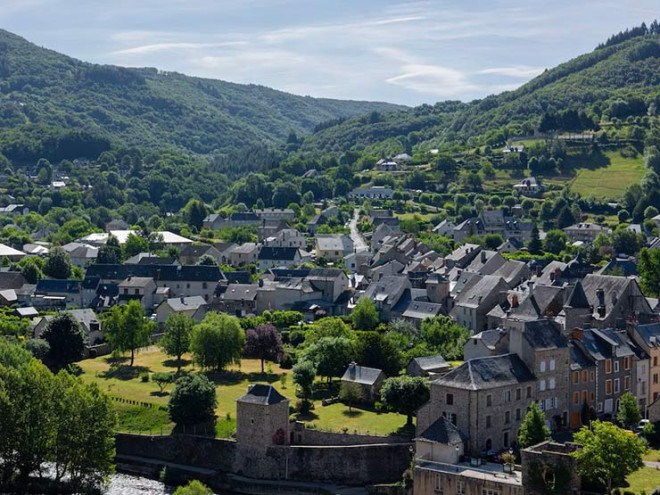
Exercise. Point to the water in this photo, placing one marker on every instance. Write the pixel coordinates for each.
(123, 484)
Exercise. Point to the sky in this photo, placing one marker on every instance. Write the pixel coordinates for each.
(406, 52)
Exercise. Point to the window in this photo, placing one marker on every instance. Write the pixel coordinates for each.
(608, 387)
(438, 483)
(626, 383)
(204, 285)
(542, 366)
(542, 385)
(616, 366)
(552, 365)
(125, 291)
(489, 400)
(584, 396)
(518, 394)
(460, 488)
(576, 377)
(137, 292)
(600, 407)
(627, 362)
(490, 491)
(592, 396)
(617, 386)
(507, 396)
(506, 439)
(592, 376)
(529, 392)
(488, 422)
(551, 384)
(584, 376)
(542, 405)
(576, 397)
(655, 360)
(450, 399)
(452, 418)
(608, 366)
(518, 415)
(507, 417)
(655, 378)
(549, 404)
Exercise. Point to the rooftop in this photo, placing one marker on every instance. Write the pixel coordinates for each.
(262, 394)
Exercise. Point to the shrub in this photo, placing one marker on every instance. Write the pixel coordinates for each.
(193, 400)
(144, 376)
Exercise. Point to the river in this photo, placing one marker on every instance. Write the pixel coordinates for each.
(123, 484)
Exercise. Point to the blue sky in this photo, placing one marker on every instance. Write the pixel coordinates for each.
(408, 52)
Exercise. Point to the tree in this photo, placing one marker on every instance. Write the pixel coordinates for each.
(39, 348)
(555, 241)
(135, 244)
(177, 336)
(405, 394)
(374, 350)
(365, 316)
(193, 400)
(350, 393)
(58, 263)
(263, 343)
(330, 355)
(207, 260)
(110, 253)
(492, 241)
(217, 341)
(535, 246)
(66, 339)
(628, 415)
(608, 453)
(127, 329)
(162, 380)
(327, 327)
(195, 212)
(303, 376)
(193, 488)
(533, 429)
(649, 271)
(446, 336)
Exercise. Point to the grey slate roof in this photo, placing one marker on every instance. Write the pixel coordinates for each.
(490, 338)
(54, 285)
(650, 334)
(278, 253)
(362, 374)
(487, 372)
(444, 432)
(430, 363)
(198, 273)
(179, 304)
(544, 334)
(578, 299)
(262, 394)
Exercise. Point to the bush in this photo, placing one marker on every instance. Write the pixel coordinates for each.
(304, 406)
(193, 400)
(144, 376)
(288, 361)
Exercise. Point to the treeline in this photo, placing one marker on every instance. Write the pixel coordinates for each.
(630, 33)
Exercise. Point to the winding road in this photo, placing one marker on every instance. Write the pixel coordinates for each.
(359, 244)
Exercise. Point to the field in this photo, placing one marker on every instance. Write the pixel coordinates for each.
(610, 179)
(646, 479)
(130, 394)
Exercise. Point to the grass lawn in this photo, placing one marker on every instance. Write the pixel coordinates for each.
(646, 479)
(611, 179)
(652, 455)
(124, 384)
(411, 216)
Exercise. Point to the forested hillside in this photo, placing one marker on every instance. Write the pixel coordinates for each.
(51, 104)
(613, 81)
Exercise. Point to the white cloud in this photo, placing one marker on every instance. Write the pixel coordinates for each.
(433, 80)
(163, 47)
(521, 71)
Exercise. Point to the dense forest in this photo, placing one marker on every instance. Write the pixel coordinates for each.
(53, 106)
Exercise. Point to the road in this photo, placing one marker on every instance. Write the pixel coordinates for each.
(359, 243)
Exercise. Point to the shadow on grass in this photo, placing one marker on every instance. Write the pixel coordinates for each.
(206, 429)
(352, 413)
(262, 377)
(125, 372)
(228, 378)
(174, 363)
(158, 393)
(406, 431)
(586, 160)
(116, 360)
(308, 416)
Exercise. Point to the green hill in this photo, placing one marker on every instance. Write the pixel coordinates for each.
(46, 97)
(617, 80)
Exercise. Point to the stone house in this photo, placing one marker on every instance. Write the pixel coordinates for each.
(272, 257)
(375, 192)
(81, 254)
(238, 299)
(215, 221)
(529, 186)
(487, 343)
(386, 293)
(370, 380)
(194, 307)
(333, 247)
(485, 398)
(428, 366)
(245, 253)
(67, 291)
(647, 337)
(262, 417)
(192, 253)
(286, 238)
(478, 297)
(581, 388)
(142, 289)
(614, 363)
(331, 282)
(585, 232)
(275, 214)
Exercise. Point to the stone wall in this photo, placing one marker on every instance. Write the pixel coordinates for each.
(307, 436)
(348, 465)
(550, 464)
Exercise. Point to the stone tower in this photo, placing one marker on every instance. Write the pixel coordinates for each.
(262, 417)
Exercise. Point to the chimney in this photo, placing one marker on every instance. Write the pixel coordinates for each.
(539, 271)
(514, 301)
(530, 284)
(182, 299)
(552, 276)
(557, 273)
(351, 370)
(261, 282)
(483, 256)
(600, 294)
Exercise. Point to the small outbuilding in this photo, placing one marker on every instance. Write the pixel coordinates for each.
(370, 380)
(428, 366)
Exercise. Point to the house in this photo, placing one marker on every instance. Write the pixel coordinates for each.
(262, 417)
(286, 238)
(613, 357)
(87, 319)
(215, 221)
(170, 239)
(374, 192)
(10, 253)
(81, 254)
(275, 214)
(370, 380)
(402, 158)
(386, 293)
(193, 307)
(271, 257)
(270, 228)
(485, 398)
(315, 222)
(53, 292)
(142, 289)
(14, 209)
(150, 259)
(487, 343)
(494, 222)
(333, 247)
(182, 281)
(387, 165)
(244, 254)
(445, 228)
(8, 297)
(116, 224)
(585, 232)
(11, 280)
(478, 297)
(417, 311)
(647, 337)
(192, 253)
(237, 299)
(35, 249)
(429, 366)
(529, 186)
(330, 282)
